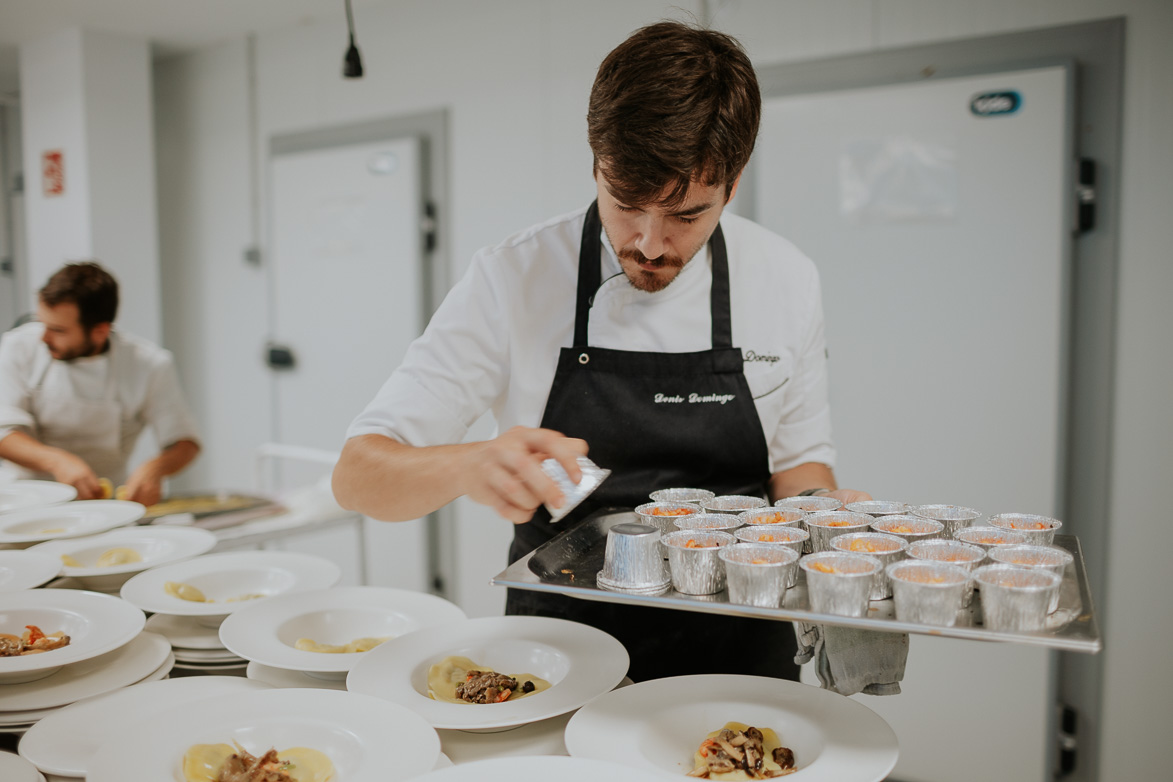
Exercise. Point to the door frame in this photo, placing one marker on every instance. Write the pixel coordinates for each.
(1097, 51)
(431, 128)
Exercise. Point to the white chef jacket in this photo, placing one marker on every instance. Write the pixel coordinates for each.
(494, 342)
(145, 389)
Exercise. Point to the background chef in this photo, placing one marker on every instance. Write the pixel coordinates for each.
(683, 344)
(75, 395)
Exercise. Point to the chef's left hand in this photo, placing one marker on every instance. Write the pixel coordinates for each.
(144, 485)
(848, 495)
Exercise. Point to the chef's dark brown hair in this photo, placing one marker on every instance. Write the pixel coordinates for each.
(87, 285)
(671, 104)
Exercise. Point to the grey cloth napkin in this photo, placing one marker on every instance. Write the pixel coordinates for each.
(848, 660)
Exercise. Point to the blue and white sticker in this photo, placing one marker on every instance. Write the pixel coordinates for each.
(995, 104)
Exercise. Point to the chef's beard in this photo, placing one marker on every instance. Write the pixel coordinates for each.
(650, 282)
(87, 349)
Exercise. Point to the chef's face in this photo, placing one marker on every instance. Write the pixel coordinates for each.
(64, 335)
(653, 241)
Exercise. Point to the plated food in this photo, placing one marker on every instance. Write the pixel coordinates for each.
(31, 641)
(233, 763)
(356, 646)
(22, 528)
(460, 680)
(739, 751)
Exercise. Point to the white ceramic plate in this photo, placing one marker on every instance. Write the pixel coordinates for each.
(224, 578)
(579, 661)
(14, 768)
(657, 725)
(156, 545)
(367, 739)
(549, 767)
(68, 520)
(95, 624)
(65, 742)
(280, 677)
(25, 570)
(18, 495)
(120, 668)
(207, 656)
(185, 632)
(266, 633)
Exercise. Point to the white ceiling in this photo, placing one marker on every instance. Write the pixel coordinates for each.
(172, 26)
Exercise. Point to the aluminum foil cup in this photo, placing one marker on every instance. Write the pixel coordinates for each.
(911, 528)
(1038, 530)
(952, 552)
(829, 524)
(695, 496)
(692, 558)
(989, 537)
(758, 574)
(839, 583)
(1048, 558)
(1015, 599)
(725, 522)
(954, 517)
(632, 562)
(776, 535)
(785, 517)
(886, 548)
(877, 508)
(809, 504)
(572, 493)
(661, 514)
(927, 592)
(733, 503)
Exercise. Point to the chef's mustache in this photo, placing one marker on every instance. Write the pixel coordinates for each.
(664, 261)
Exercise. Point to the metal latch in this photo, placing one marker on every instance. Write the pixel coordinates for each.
(1086, 195)
(1068, 740)
(279, 357)
(428, 226)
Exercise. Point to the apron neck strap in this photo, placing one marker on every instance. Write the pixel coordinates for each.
(590, 277)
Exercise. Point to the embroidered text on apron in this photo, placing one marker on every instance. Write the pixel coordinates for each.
(623, 404)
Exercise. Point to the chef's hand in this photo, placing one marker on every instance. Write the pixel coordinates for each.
(847, 495)
(505, 473)
(73, 470)
(144, 485)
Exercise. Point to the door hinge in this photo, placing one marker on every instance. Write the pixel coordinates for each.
(1086, 195)
(428, 226)
(1068, 741)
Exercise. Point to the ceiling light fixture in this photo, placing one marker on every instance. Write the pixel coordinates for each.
(352, 64)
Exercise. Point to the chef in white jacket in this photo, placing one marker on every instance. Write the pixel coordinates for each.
(75, 394)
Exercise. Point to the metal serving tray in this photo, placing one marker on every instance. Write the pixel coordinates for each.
(569, 563)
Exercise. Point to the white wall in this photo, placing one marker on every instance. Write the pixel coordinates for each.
(514, 77)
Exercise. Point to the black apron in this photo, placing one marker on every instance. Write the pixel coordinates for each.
(609, 398)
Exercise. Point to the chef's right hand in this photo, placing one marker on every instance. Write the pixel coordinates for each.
(73, 470)
(505, 473)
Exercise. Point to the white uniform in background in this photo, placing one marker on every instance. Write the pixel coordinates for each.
(94, 407)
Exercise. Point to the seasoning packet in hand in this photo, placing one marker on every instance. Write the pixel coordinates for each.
(572, 493)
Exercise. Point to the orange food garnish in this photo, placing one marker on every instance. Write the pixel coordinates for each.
(904, 528)
(840, 524)
(990, 540)
(671, 511)
(869, 546)
(822, 568)
(766, 539)
(773, 518)
(692, 543)
(35, 633)
(1028, 525)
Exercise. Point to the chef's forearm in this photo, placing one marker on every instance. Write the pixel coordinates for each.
(804, 477)
(390, 481)
(173, 458)
(29, 452)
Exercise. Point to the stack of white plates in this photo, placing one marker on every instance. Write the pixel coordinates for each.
(231, 582)
(23, 528)
(266, 634)
(107, 651)
(155, 546)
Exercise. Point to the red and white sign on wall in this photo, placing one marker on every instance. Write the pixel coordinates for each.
(53, 172)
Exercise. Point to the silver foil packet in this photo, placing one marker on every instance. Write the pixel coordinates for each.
(572, 493)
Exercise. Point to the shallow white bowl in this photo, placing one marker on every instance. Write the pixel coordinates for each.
(94, 622)
(156, 545)
(23, 528)
(266, 633)
(18, 495)
(657, 725)
(26, 569)
(367, 739)
(65, 742)
(224, 576)
(579, 661)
